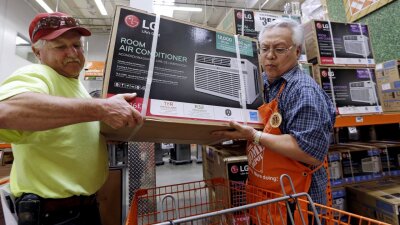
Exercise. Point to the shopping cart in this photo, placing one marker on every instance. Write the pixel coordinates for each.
(222, 202)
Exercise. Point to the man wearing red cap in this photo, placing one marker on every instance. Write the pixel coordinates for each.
(60, 158)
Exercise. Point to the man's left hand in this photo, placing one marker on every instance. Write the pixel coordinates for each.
(240, 132)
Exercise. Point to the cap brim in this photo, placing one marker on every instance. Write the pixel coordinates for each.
(59, 32)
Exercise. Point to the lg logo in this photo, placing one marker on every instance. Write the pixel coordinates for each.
(228, 112)
(132, 21)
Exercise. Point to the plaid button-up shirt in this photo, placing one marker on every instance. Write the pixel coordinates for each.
(308, 115)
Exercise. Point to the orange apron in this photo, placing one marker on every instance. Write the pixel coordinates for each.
(266, 166)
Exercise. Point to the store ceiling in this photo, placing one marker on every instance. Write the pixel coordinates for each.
(213, 11)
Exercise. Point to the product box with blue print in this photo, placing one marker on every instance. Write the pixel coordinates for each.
(197, 81)
(376, 199)
(334, 43)
(360, 163)
(388, 81)
(353, 90)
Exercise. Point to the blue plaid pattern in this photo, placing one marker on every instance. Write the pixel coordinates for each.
(308, 115)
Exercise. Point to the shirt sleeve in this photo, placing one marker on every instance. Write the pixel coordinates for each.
(308, 120)
(18, 83)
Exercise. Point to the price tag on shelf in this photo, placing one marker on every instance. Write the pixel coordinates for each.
(359, 119)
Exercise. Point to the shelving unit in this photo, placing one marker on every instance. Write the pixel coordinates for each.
(365, 120)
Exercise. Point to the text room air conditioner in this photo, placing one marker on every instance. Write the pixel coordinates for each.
(356, 44)
(219, 76)
(363, 91)
(371, 164)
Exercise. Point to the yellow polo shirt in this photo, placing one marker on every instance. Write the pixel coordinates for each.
(56, 163)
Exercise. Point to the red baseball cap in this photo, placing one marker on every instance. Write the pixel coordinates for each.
(41, 30)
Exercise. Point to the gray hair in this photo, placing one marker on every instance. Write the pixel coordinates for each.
(294, 26)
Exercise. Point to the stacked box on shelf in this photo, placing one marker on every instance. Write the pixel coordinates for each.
(335, 166)
(228, 162)
(360, 163)
(390, 156)
(253, 23)
(376, 199)
(334, 43)
(196, 78)
(352, 89)
(388, 82)
(339, 202)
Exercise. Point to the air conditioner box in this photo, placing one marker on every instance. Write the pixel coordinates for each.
(376, 199)
(334, 43)
(388, 83)
(360, 163)
(353, 89)
(189, 97)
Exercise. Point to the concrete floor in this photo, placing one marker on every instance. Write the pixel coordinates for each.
(170, 173)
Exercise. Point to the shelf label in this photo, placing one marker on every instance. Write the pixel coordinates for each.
(359, 119)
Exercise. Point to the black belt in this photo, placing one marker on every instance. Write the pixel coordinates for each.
(51, 204)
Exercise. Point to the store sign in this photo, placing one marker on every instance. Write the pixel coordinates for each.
(94, 70)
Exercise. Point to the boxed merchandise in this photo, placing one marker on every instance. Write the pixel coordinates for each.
(377, 199)
(390, 156)
(388, 81)
(339, 202)
(228, 162)
(253, 22)
(360, 163)
(335, 166)
(353, 90)
(195, 83)
(329, 43)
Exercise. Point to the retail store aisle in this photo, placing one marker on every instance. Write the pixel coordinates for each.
(170, 173)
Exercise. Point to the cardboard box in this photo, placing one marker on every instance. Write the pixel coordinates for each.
(339, 202)
(228, 162)
(334, 43)
(253, 23)
(360, 163)
(378, 200)
(388, 82)
(353, 90)
(335, 166)
(390, 156)
(195, 87)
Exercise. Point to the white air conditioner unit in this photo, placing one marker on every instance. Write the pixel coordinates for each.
(371, 164)
(219, 76)
(356, 44)
(363, 91)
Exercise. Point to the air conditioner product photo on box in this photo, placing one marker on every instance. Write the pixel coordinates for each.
(193, 77)
(352, 89)
(335, 43)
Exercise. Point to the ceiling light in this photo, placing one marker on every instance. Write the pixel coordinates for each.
(101, 7)
(44, 6)
(181, 8)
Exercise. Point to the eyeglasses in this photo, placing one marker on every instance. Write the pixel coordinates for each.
(54, 22)
(279, 51)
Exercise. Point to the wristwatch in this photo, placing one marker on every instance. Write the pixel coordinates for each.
(257, 137)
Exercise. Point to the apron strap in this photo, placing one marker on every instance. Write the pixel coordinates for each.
(316, 168)
(281, 89)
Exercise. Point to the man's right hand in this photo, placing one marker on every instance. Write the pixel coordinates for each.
(119, 113)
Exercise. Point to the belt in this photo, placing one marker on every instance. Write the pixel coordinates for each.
(51, 204)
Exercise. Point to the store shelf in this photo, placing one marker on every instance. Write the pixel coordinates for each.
(364, 120)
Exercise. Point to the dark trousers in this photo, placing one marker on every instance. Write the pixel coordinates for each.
(75, 210)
